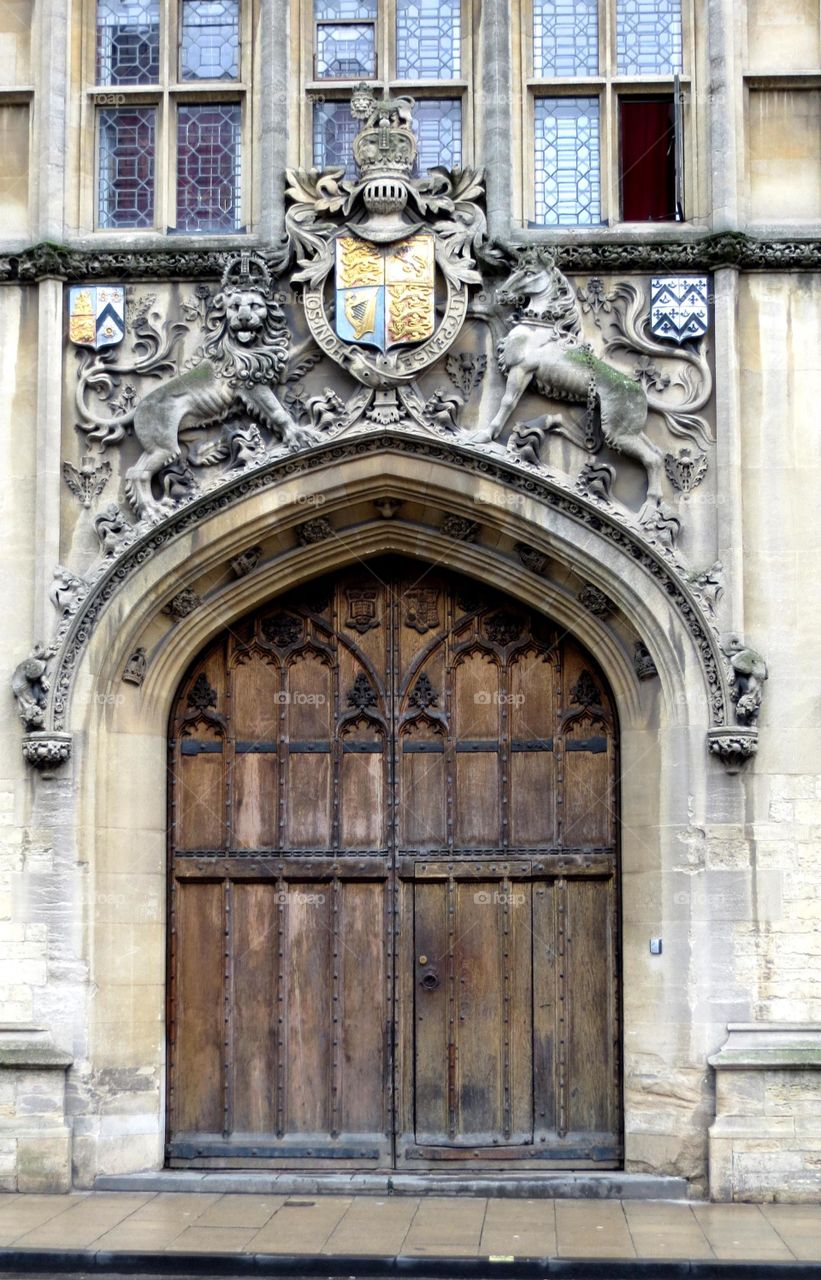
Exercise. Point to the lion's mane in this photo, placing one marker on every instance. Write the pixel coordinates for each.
(246, 365)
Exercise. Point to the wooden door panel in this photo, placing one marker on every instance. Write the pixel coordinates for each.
(308, 797)
(477, 795)
(533, 795)
(200, 768)
(255, 1006)
(590, 1018)
(199, 1008)
(255, 797)
(364, 1009)
(587, 791)
(307, 1000)
(422, 787)
(394, 894)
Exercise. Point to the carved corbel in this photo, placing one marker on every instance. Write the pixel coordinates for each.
(733, 746)
(45, 751)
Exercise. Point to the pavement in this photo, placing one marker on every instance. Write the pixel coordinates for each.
(98, 1228)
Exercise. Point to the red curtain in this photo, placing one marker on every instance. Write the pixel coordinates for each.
(648, 173)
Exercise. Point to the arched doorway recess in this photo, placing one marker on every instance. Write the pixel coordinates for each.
(394, 885)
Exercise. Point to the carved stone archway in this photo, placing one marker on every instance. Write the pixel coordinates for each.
(168, 593)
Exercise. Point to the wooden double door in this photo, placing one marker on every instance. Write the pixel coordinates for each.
(394, 886)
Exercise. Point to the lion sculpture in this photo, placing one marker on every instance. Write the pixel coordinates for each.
(242, 359)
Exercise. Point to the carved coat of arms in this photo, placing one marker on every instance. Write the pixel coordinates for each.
(386, 260)
(96, 315)
(421, 612)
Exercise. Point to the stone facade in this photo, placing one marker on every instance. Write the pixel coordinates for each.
(720, 864)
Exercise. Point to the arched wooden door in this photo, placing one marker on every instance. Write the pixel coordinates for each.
(394, 886)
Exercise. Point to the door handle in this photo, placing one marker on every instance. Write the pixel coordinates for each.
(429, 980)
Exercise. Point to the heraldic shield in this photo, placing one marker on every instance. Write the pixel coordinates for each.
(385, 293)
(96, 315)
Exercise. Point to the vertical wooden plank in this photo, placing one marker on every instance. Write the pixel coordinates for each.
(519, 980)
(430, 984)
(199, 1012)
(255, 1007)
(545, 1009)
(362, 1032)
(589, 974)
(309, 1014)
(479, 1028)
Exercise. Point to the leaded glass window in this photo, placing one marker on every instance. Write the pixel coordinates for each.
(428, 39)
(127, 149)
(565, 38)
(395, 43)
(567, 162)
(345, 39)
(334, 130)
(209, 43)
(128, 41)
(648, 37)
(437, 123)
(208, 166)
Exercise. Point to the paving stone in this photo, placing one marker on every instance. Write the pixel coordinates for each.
(375, 1227)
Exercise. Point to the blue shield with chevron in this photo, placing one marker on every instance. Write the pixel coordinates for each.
(96, 315)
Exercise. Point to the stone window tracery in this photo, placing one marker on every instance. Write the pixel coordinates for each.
(167, 157)
(415, 47)
(605, 130)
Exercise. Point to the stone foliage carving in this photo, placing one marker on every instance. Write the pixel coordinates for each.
(183, 603)
(88, 482)
(113, 530)
(595, 480)
(705, 253)
(531, 558)
(460, 529)
(388, 507)
(46, 750)
(708, 584)
(596, 602)
(685, 470)
(313, 531)
(733, 747)
(262, 399)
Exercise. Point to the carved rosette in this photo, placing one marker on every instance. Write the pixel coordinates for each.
(46, 750)
(733, 746)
